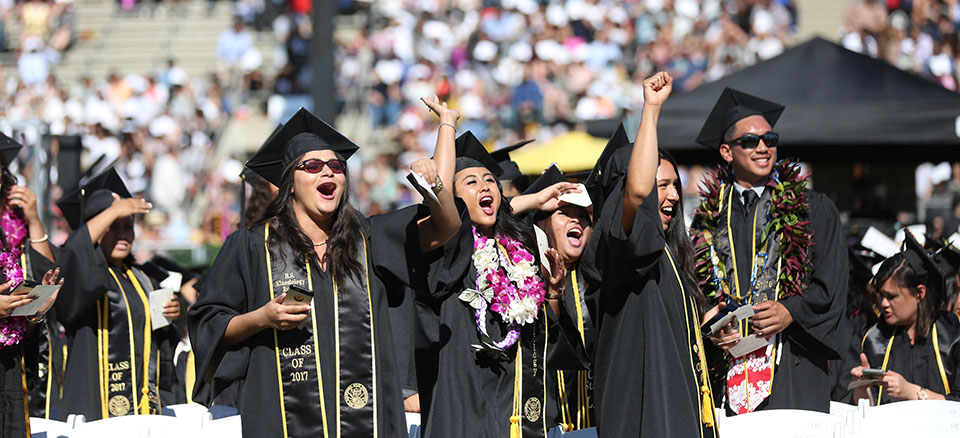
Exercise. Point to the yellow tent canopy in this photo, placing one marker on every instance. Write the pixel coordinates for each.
(573, 152)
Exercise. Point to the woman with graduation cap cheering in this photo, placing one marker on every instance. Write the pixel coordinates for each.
(323, 367)
(915, 344)
(19, 260)
(113, 362)
(649, 367)
(495, 329)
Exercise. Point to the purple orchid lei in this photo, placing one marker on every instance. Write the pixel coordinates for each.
(507, 283)
(14, 229)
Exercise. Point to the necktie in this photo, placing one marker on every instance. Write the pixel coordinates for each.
(750, 198)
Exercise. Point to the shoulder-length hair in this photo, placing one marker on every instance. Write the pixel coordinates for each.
(678, 239)
(343, 259)
(897, 268)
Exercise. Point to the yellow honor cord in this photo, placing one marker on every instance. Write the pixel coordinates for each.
(686, 317)
(886, 360)
(517, 382)
(147, 344)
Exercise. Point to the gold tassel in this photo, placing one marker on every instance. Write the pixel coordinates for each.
(707, 406)
(145, 402)
(514, 426)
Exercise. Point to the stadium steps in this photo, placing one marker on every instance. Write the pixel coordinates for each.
(140, 42)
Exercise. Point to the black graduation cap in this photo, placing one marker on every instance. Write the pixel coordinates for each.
(923, 264)
(609, 168)
(303, 133)
(548, 178)
(946, 257)
(471, 153)
(8, 149)
(510, 169)
(861, 266)
(92, 197)
(731, 107)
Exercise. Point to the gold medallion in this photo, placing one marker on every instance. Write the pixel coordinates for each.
(356, 395)
(531, 409)
(119, 406)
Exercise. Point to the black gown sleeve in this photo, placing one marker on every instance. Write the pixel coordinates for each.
(818, 313)
(640, 249)
(83, 268)
(565, 349)
(395, 245)
(223, 296)
(446, 266)
(40, 264)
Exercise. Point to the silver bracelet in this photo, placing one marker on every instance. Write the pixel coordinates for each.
(450, 125)
(41, 240)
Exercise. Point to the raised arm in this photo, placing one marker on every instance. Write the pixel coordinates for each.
(444, 221)
(121, 207)
(547, 199)
(641, 175)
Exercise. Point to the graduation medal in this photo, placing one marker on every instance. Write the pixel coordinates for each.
(784, 231)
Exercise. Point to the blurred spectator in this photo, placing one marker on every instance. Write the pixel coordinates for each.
(233, 44)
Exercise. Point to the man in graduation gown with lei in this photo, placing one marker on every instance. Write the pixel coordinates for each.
(763, 240)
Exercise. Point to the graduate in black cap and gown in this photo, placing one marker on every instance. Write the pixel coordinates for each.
(649, 366)
(762, 239)
(113, 365)
(500, 321)
(915, 343)
(25, 254)
(327, 368)
(567, 229)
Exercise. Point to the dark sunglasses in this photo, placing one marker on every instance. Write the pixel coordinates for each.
(315, 165)
(750, 141)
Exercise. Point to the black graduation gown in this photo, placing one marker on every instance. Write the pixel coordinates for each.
(88, 280)
(473, 395)
(919, 363)
(572, 384)
(237, 283)
(646, 370)
(818, 333)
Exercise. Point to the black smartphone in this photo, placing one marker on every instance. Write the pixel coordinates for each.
(23, 288)
(731, 306)
(298, 295)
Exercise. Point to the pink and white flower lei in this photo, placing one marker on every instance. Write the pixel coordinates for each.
(505, 266)
(14, 231)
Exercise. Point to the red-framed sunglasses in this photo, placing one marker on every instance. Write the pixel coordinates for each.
(315, 165)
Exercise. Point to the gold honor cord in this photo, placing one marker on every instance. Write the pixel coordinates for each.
(26, 401)
(706, 408)
(515, 430)
(583, 398)
(103, 347)
(144, 405)
(276, 343)
(191, 376)
(936, 352)
(886, 360)
(147, 346)
(46, 408)
(373, 344)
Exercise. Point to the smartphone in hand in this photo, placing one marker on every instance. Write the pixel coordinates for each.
(298, 295)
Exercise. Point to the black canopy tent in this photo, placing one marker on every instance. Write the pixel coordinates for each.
(841, 106)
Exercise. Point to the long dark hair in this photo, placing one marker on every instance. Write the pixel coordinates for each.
(7, 180)
(678, 239)
(260, 197)
(510, 225)
(342, 249)
(897, 268)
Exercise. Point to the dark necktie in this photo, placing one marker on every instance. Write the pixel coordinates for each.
(750, 198)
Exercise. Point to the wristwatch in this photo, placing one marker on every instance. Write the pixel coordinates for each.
(922, 394)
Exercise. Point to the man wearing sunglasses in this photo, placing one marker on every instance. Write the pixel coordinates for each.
(765, 241)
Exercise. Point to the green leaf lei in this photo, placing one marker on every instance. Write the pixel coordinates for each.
(789, 215)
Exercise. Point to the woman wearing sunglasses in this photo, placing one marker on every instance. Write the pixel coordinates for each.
(293, 314)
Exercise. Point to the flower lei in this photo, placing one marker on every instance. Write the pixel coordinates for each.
(14, 229)
(507, 283)
(788, 215)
